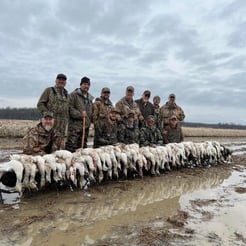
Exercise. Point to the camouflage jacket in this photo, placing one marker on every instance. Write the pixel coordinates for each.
(107, 133)
(168, 110)
(150, 136)
(38, 141)
(128, 134)
(77, 104)
(101, 110)
(123, 106)
(157, 115)
(55, 100)
(173, 135)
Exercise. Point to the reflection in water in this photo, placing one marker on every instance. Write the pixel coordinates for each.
(90, 216)
(228, 213)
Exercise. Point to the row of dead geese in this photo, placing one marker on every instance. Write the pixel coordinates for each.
(110, 162)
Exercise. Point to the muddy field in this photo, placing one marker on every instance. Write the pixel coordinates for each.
(199, 206)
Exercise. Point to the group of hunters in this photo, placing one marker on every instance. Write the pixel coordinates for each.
(128, 121)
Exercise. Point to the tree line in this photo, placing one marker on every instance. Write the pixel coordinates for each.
(33, 114)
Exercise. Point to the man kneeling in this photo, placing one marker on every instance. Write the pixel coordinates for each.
(43, 139)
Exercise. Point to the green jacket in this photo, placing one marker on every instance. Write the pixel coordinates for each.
(77, 104)
(55, 100)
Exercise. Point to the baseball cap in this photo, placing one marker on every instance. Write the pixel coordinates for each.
(48, 114)
(147, 93)
(105, 89)
(156, 97)
(172, 95)
(61, 76)
(131, 112)
(173, 117)
(150, 117)
(85, 80)
(114, 109)
(130, 88)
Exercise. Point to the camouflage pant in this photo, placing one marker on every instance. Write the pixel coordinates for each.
(96, 144)
(60, 124)
(74, 139)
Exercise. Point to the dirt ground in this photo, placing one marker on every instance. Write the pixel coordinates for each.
(199, 206)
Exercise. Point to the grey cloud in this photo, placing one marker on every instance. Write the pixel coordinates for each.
(238, 37)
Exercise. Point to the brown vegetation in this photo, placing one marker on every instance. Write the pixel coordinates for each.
(18, 128)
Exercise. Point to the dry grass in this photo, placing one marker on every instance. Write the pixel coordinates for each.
(18, 128)
(211, 132)
(15, 128)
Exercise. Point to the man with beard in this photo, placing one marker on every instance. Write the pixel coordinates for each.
(108, 129)
(101, 109)
(145, 106)
(80, 114)
(55, 100)
(43, 139)
(150, 135)
(128, 132)
(126, 103)
(169, 109)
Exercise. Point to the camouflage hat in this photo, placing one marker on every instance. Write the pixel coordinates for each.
(130, 88)
(61, 76)
(131, 112)
(173, 117)
(147, 93)
(156, 97)
(172, 95)
(105, 89)
(114, 109)
(150, 117)
(48, 114)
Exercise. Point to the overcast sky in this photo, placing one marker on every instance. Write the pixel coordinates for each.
(195, 49)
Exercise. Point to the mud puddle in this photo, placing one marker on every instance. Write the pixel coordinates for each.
(200, 206)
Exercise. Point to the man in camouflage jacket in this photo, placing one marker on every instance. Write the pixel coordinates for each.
(128, 132)
(43, 139)
(169, 109)
(173, 132)
(108, 130)
(55, 99)
(150, 135)
(125, 104)
(80, 109)
(101, 109)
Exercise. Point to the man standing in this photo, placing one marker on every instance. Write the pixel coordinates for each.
(55, 99)
(145, 106)
(157, 109)
(125, 104)
(169, 109)
(80, 110)
(43, 139)
(101, 109)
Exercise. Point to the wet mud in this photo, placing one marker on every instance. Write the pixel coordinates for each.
(199, 206)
